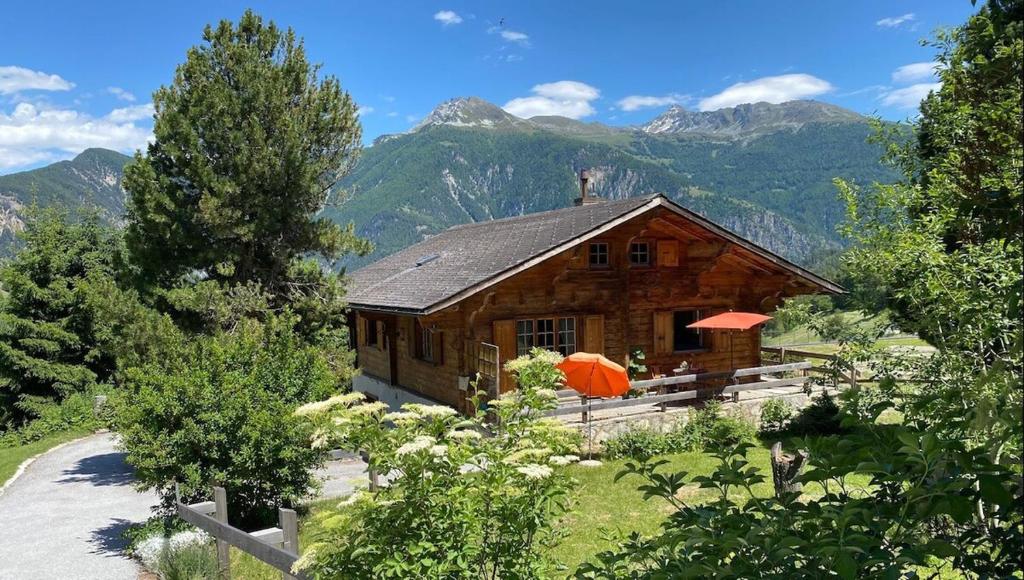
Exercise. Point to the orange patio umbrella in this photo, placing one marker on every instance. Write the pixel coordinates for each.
(594, 376)
(731, 321)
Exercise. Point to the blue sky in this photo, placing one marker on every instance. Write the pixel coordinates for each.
(80, 74)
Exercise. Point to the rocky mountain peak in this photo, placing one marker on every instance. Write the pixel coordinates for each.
(468, 112)
(749, 118)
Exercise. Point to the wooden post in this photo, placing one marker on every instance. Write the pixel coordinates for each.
(370, 471)
(290, 529)
(785, 468)
(220, 499)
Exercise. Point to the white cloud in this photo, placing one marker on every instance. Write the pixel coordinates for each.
(412, 118)
(520, 38)
(364, 110)
(563, 98)
(894, 21)
(637, 102)
(777, 89)
(16, 78)
(31, 134)
(391, 114)
(129, 114)
(448, 18)
(909, 97)
(121, 94)
(917, 71)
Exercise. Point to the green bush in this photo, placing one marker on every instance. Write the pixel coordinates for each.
(706, 428)
(77, 411)
(467, 497)
(188, 562)
(821, 417)
(638, 443)
(730, 431)
(220, 411)
(774, 414)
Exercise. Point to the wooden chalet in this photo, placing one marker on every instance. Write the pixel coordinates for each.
(604, 276)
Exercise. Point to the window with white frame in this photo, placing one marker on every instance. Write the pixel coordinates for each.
(598, 254)
(566, 336)
(524, 337)
(558, 334)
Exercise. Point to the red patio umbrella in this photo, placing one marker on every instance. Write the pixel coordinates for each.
(594, 375)
(731, 321)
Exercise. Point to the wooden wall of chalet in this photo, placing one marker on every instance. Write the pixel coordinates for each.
(437, 380)
(692, 269)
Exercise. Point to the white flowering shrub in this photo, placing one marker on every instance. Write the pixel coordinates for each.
(466, 497)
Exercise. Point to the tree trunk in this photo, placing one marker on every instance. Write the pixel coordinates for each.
(785, 468)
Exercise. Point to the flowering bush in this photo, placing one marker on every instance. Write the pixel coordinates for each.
(464, 498)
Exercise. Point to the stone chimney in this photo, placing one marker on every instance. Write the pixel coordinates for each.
(585, 198)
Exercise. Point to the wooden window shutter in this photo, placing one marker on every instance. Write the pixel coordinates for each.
(663, 332)
(361, 331)
(668, 253)
(505, 340)
(593, 334)
(438, 339)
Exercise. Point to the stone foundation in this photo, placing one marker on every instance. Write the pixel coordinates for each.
(606, 425)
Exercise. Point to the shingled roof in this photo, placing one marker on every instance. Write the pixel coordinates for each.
(461, 260)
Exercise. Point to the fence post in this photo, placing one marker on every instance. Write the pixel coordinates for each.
(290, 530)
(220, 500)
(370, 470)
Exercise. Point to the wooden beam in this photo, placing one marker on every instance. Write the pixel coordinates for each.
(272, 555)
(764, 385)
(620, 403)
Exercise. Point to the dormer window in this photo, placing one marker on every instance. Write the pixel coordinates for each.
(598, 254)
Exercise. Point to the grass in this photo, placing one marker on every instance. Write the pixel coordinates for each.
(11, 457)
(601, 507)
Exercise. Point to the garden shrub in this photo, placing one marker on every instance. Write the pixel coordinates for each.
(821, 417)
(467, 497)
(76, 412)
(187, 561)
(638, 443)
(705, 428)
(220, 412)
(774, 414)
(729, 431)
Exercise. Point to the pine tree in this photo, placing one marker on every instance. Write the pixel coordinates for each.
(47, 344)
(248, 143)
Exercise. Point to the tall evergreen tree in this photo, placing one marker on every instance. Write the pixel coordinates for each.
(248, 143)
(48, 347)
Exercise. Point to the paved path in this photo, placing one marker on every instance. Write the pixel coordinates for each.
(63, 518)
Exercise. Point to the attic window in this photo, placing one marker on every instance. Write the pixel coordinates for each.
(598, 254)
(426, 259)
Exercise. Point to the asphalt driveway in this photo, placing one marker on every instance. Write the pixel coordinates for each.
(64, 516)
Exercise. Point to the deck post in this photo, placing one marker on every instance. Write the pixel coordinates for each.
(290, 529)
(220, 500)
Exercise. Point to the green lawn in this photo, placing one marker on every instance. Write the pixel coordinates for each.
(11, 457)
(601, 506)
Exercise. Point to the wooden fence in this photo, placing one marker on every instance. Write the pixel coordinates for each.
(570, 402)
(277, 547)
(851, 376)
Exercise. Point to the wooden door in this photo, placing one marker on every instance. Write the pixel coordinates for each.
(505, 340)
(662, 332)
(593, 334)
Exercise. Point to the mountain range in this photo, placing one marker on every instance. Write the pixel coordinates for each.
(762, 170)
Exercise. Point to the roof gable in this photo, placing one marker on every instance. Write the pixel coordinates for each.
(465, 259)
